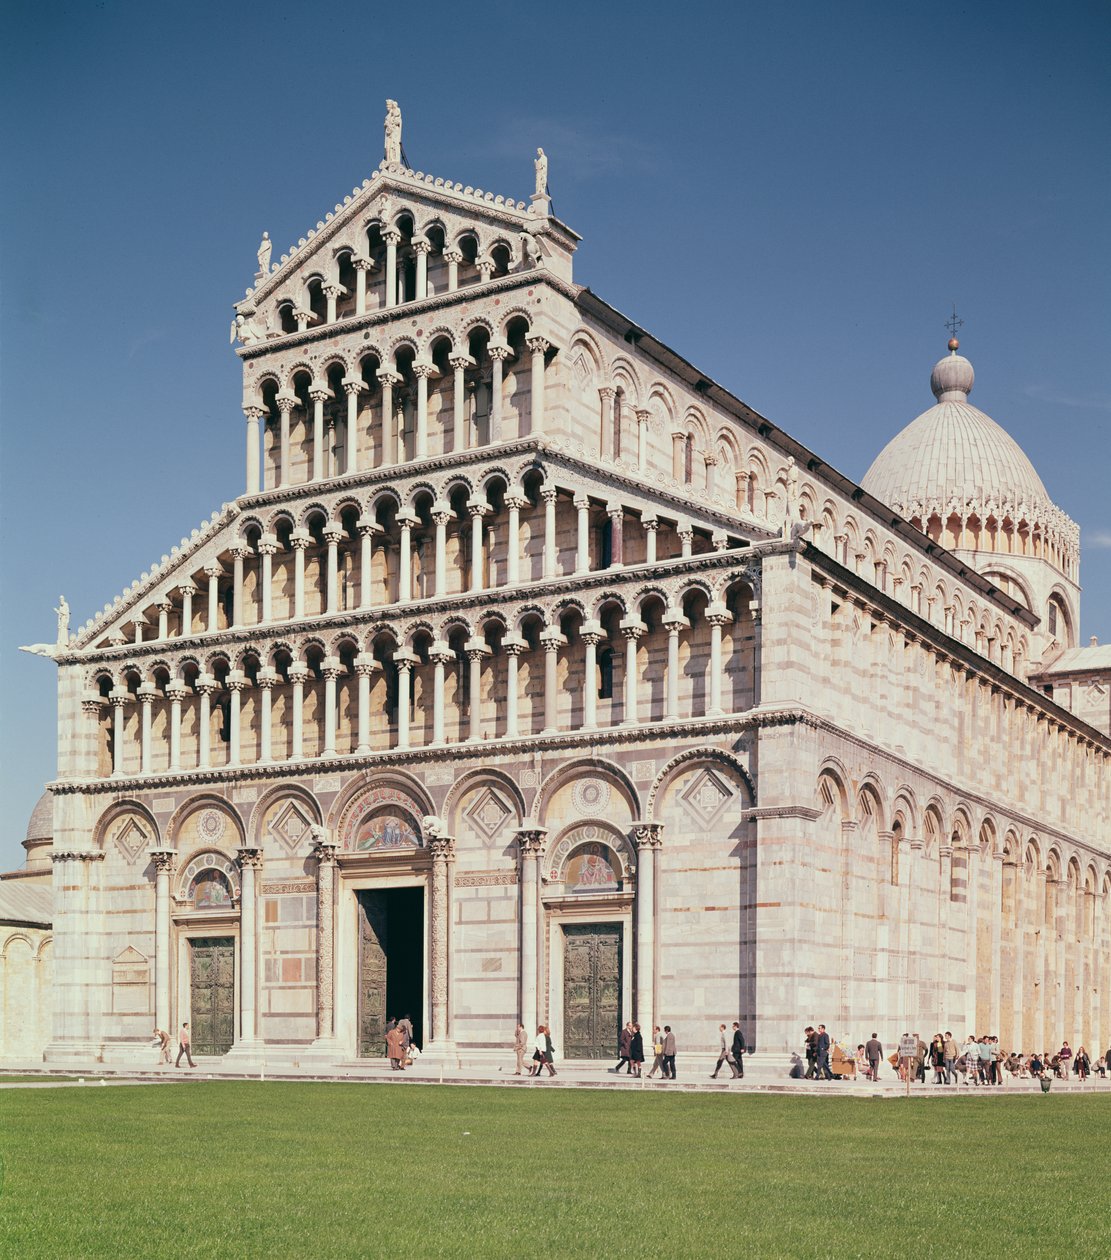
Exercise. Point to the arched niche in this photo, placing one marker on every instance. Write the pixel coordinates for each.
(590, 857)
(380, 819)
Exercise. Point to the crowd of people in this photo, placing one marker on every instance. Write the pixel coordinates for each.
(975, 1061)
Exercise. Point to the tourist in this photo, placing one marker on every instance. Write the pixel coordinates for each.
(970, 1052)
(520, 1045)
(1036, 1066)
(668, 1053)
(724, 1054)
(405, 1026)
(539, 1052)
(162, 1041)
(821, 1045)
(1065, 1055)
(862, 1070)
(920, 1057)
(1101, 1066)
(985, 1054)
(740, 1049)
(951, 1055)
(395, 1048)
(937, 1059)
(874, 1052)
(184, 1046)
(811, 1052)
(636, 1050)
(657, 1051)
(1082, 1065)
(391, 1024)
(549, 1051)
(623, 1042)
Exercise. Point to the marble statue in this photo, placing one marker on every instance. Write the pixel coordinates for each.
(63, 621)
(541, 165)
(393, 132)
(248, 330)
(266, 245)
(530, 248)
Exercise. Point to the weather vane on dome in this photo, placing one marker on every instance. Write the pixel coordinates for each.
(953, 323)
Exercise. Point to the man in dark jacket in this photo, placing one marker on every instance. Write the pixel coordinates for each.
(624, 1041)
(811, 1053)
(739, 1049)
(873, 1052)
(823, 1054)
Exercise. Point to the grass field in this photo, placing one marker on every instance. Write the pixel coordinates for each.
(237, 1169)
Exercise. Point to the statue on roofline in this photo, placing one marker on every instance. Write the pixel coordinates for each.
(393, 132)
(541, 165)
(63, 621)
(266, 245)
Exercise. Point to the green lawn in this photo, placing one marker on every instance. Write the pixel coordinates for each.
(281, 1170)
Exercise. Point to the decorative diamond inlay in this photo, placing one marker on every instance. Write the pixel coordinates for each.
(488, 812)
(131, 839)
(706, 796)
(291, 825)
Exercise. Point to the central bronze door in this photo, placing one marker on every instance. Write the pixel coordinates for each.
(591, 990)
(391, 964)
(212, 994)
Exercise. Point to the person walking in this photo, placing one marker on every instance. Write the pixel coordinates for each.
(549, 1051)
(395, 1048)
(822, 1047)
(184, 1046)
(951, 1056)
(540, 1053)
(636, 1050)
(1082, 1065)
(669, 1053)
(405, 1025)
(937, 1059)
(811, 1053)
(1065, 1055)
(725, 1054)
(623, 1041)
(162, 1041)
(657, 1051)
(520, 1045)
(740, 1049)
(873, 1052)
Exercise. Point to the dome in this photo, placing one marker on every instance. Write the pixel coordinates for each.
(41, 824)
(953, 451)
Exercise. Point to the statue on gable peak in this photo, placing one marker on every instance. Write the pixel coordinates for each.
(265, 248)
(393, 132)
(541, 164)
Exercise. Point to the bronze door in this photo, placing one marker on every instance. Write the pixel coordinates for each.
(591, 990)
(373, 947)
(212, 994)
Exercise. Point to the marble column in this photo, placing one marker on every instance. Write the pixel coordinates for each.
(353, 386)
(392, 237)
(213, 571)
(299, 541)
(331, 668)
(239, 554)
(476, 649)
(582, 548)
(333, 293)
(423, 372)
(498, 353)
(325, 850)
(454, 258)
(389, 381)
(250, 864)
(266, 680)
(674, 623)
(254, 415)
(459, 365)
(286, 401)
(591, 636)
(319, 394)
(367, 529)
(176, 692)
(146, 696)
(651, 526)
(298, 674)
(549, 494)
(404, 660)
(365, 665)
(165, 607)
(267, 549)
(332, 535)
(643, 416)
(512, 646)
(422, 247)
(686, 539)
(551, 641)
(362, 266)
(186, 590)
(530, 844)
(616, 514)
(117, 699)
(633, 630)
(236, 682)
(513, 504)
(441, 514)
(648, 839)
(539, 347)
(478, 508)
(718, 616)
(405, 522)
(440, 654)
(165, 862)
(442, 850)
(606, 395)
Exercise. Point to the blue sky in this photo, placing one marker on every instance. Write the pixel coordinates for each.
(790, 195)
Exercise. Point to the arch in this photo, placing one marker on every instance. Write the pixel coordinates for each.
(362, 798)
(474, 778)
(129, 839)
(597, 767)
(200, 863)
(688, 760)
(576, 835)
(208, 832)
(870, 802)
(272, 796)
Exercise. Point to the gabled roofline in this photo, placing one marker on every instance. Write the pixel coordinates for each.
(629, 330)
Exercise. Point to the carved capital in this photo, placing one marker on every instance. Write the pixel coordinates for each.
(499, 350)
(165, 860)
(320, 393)
(549, 494)
(249, 857)
(453, 255)
(353, 385)
(513, 645)
(324, 846)
(442, 848)
(538, 345)
(648, 835)
(530, 841)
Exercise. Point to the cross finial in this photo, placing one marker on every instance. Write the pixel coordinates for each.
(953, 323)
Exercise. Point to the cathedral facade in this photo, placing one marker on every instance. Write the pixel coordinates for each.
(535, 676)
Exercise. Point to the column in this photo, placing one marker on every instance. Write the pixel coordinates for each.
(459, 364)
(616, 513)
(213, 572)
(117, 699)
(254, 415)
(267, 549)
(476, 649)
(176, 692)
(551, 641)
(539, 347)
(498, 353)
(389, 381)
(205, 687)
(549, 495)
(353, 386)
(514, 503)
(423, 371)
(995, 996)
(330, 668)
(239, 553)
(265, 681)
(643, 416)
(686, 539)
(632, 630)
(648, 838)
(717, 615)
(404, 660)
(299, 541)
(454, 258)
(651, 528)
(441, 514)
(582, 546)
(319, 395)
(146, 696)
(406, 521)
(324, 850)
(298, 673)
(365, 665)
(392, 237)
(165, 607)
(512, 645)
(138, 621)
(165, 861)
(422, 247)
(442, 849)
(286, 401)
(332, 535)
(478, 509)
(591, 636)
(678, 456)
(674, 622)
(439, 654)
(606, 395)
(530, 844)
(485, 268)
(250, 862)
(186, 590)
(367, 529)
(362, 266)
(333, 292)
